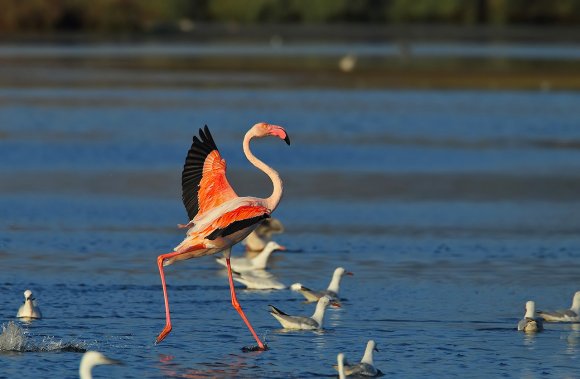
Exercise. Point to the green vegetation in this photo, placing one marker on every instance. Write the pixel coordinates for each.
(19, 16)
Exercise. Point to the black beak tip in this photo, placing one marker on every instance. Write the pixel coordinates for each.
(287, 140)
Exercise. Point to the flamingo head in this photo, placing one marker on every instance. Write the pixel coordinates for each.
(263, 129)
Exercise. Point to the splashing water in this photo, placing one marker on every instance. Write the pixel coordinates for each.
(14, 338)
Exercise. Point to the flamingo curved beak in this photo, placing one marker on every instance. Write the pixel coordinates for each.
(280, 247)
(279, 132)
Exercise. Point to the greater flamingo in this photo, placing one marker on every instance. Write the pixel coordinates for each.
(219, 218)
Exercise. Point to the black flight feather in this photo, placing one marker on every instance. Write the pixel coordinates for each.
(236, 226)
(193, 170)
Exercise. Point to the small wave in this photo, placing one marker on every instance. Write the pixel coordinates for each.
(13, 338)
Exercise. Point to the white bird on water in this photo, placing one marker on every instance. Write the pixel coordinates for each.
(340, 366)
(566, 315)
(258, 239)
(366, 366)
(259, 262)
(530, 323)
(29, 309)
(258, 280)
(91, 359)
(302, 322)
(332, 290)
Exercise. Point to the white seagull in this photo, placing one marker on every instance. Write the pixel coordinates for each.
(91, 359)
(366, 366)
(302, 322)
(332, 290)
(257, 240)
(570, 315)
(29, 309)
(530, 323)
(258, 280)
(259, 262)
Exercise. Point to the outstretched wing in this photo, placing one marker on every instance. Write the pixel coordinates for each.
(203, 180)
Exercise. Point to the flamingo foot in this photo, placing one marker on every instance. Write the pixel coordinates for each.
(248, 349)
(163, 334)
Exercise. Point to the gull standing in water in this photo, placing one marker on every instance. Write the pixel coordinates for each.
(366, 366)
(29, 309)
(219, 218)
(258, 239)
(259, 262)
(566, 315)
(332, 290)
(91, 359)
(530, 323)
(302, 322)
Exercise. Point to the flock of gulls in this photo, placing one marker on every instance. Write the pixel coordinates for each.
(220, 219)
(256, 276)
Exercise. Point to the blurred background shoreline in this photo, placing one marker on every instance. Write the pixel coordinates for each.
(450, 44)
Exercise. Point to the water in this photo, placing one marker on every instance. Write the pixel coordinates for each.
(452, 208)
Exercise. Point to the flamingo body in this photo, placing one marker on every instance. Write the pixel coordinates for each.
(219, 218)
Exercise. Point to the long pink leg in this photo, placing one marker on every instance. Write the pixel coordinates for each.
(238, 307)
(167, 328)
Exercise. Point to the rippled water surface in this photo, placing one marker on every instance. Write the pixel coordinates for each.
(452, 209)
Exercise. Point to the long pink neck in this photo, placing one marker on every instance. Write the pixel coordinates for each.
(274, 199)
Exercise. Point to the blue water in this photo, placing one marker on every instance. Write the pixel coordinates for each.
(452, 208)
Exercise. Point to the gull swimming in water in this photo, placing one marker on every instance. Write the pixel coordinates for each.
(259, 262)
(29, 309)
(332, 290)
(257, 240)
(302, 322)
(91, 359)
(258, 280)
(340, 366)
(366, 366)
(570, 315)
(530, 323)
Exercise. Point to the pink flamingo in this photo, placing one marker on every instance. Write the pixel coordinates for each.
(219, 217)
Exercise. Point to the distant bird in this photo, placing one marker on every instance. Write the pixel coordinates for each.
(332, 290)
(257, 240)
(219, 218)
(91, 359)
(259, 262)
(366, 366)
(347, 63)
(566, 315)
(258, 280)
(530, 323)
(340, 366)
(29, 309)
(302, 322)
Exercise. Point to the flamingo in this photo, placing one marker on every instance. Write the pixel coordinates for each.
(219, 218)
